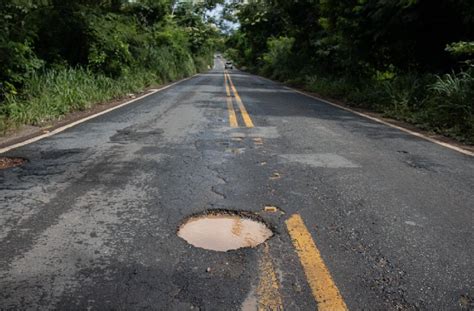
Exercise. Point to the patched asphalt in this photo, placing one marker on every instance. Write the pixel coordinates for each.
(90, 221)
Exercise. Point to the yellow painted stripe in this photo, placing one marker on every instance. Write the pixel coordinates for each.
(232, 116)
(268, 290)
(324, 289)
(227, 91)
(245, 116)
(230, 107)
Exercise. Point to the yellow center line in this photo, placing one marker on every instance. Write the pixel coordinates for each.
(324, 289)
(268, 290)
(232, 116)
(245, 116)
(227, 90)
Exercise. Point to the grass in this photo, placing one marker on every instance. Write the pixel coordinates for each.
(51, 94)
(54, 93)
(441, 104)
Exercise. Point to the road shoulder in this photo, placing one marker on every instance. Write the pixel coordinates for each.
(27, 134)
(378, 117)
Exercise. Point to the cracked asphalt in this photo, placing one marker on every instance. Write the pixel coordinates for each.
(89, 222)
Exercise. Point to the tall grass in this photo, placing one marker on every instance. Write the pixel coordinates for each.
(52, 93)
(450, 105)
(442, 104)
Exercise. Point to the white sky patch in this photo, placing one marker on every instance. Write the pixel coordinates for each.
(217, 14)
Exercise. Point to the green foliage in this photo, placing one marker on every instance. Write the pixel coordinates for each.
(463, 51)
(110, 38)
(148, 12)
(404, 95)
(232, 54)
(277, 59)
(56, 92)
(17, 58)
(451, 106)
(17, 64)
(438, 103)
(59, 56)
(381, 55)
(461, 48)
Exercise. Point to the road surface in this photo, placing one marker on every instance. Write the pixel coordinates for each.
(368, 217)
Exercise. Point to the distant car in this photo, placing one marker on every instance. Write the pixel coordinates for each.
(228, 65)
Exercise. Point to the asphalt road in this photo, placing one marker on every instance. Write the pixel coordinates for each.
(90, 221)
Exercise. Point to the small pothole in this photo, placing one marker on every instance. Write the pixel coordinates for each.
(8, 162)
(275, 176)
(223, 230)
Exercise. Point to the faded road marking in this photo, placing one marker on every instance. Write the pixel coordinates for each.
(232, 116)
(258, 141)
(264, 132)
(324, 289)
(245, 116)
(327, 160)
(268, 289)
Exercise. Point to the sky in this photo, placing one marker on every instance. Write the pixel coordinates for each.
(216, 13)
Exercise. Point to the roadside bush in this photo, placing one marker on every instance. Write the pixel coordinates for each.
(17, 57)
(462, 51)
(450, 105)
(56, 92)
(60, 56)
(403, 96)
(380, 55)
(17, 63)
(359, 93)
(232, 54)
(169, 55)
(110, 39)
(438, 103)
(202, 62)
(328, 87)
(277, 59)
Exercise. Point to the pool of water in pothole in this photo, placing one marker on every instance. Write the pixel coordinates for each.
(224, 232)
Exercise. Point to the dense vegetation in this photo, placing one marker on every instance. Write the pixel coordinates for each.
(57, 56)
(410, 59)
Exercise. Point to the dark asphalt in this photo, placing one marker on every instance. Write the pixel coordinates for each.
(90, 221)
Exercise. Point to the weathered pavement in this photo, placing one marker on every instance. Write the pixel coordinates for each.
(90, 221)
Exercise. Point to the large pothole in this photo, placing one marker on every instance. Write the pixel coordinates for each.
(223, 230)
(8, 162)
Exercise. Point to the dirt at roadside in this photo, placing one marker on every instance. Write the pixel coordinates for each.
(25, 132)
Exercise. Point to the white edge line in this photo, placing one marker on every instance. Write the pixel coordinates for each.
(458, 149)
(419, 135)
(67, 126)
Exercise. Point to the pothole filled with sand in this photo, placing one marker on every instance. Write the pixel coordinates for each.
(8, 162)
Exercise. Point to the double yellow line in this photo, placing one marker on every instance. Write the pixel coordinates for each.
(229, 85)
(323, 287)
